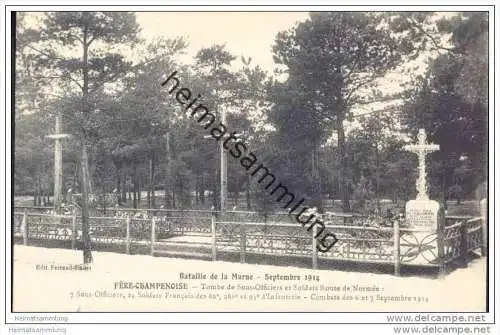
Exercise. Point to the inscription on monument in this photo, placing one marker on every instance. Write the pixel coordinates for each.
(422, 214)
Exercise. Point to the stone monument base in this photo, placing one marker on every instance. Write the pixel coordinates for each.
(422, 214)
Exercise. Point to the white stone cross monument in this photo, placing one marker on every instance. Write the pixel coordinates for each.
(58, 177)
(422, 212)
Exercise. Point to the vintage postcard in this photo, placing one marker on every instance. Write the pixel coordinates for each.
(327, 161)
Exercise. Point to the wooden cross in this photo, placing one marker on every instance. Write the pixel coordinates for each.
(58, 177)
(422, 148)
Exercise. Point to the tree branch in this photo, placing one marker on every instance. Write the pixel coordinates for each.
(67, 76)
(90, 41)
(437, 45)
(365, 82)
(42, 52)
(76, 37)
(117, 75)
(382, 110)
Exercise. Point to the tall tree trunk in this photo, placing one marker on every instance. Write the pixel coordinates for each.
(173, 198)
(139, 189)
(38, 191)
(344, 194)
(202, 188)
(88, 177)
(151, 202)
(35, 189)
(197, 190)
(444, 186)
(377, 181)
(168, 174)
(87, 253)
(216, 188)
(179, 187)
(248, 195)
(118, 184)
(134, 196)
(135, 182)
(148, 187)
(316, 182)
(42, 200)
(124, 185)
(129, 187)
(76, 177)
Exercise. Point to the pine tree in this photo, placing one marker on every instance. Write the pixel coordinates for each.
(91, 37)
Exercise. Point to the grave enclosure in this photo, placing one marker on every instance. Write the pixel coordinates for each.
(245, 236)
(424, 238)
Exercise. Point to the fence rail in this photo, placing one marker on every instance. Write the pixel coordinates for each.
(206, 234)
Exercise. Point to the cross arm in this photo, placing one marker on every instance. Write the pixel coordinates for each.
(58, 136)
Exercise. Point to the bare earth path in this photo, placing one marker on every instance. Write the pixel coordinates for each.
(43, 281)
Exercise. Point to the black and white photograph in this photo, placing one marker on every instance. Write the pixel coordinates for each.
(251, 160)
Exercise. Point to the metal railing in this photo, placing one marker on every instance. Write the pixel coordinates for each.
(208, 233)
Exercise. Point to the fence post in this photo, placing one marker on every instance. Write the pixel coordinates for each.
(74, 232)
(214, 236)
(397, 249)
(243, 243)
(463, 244)
(441, 241)
(484, 222)
(314, 248)
(127, 237)
(153, 221)
(24, 225)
